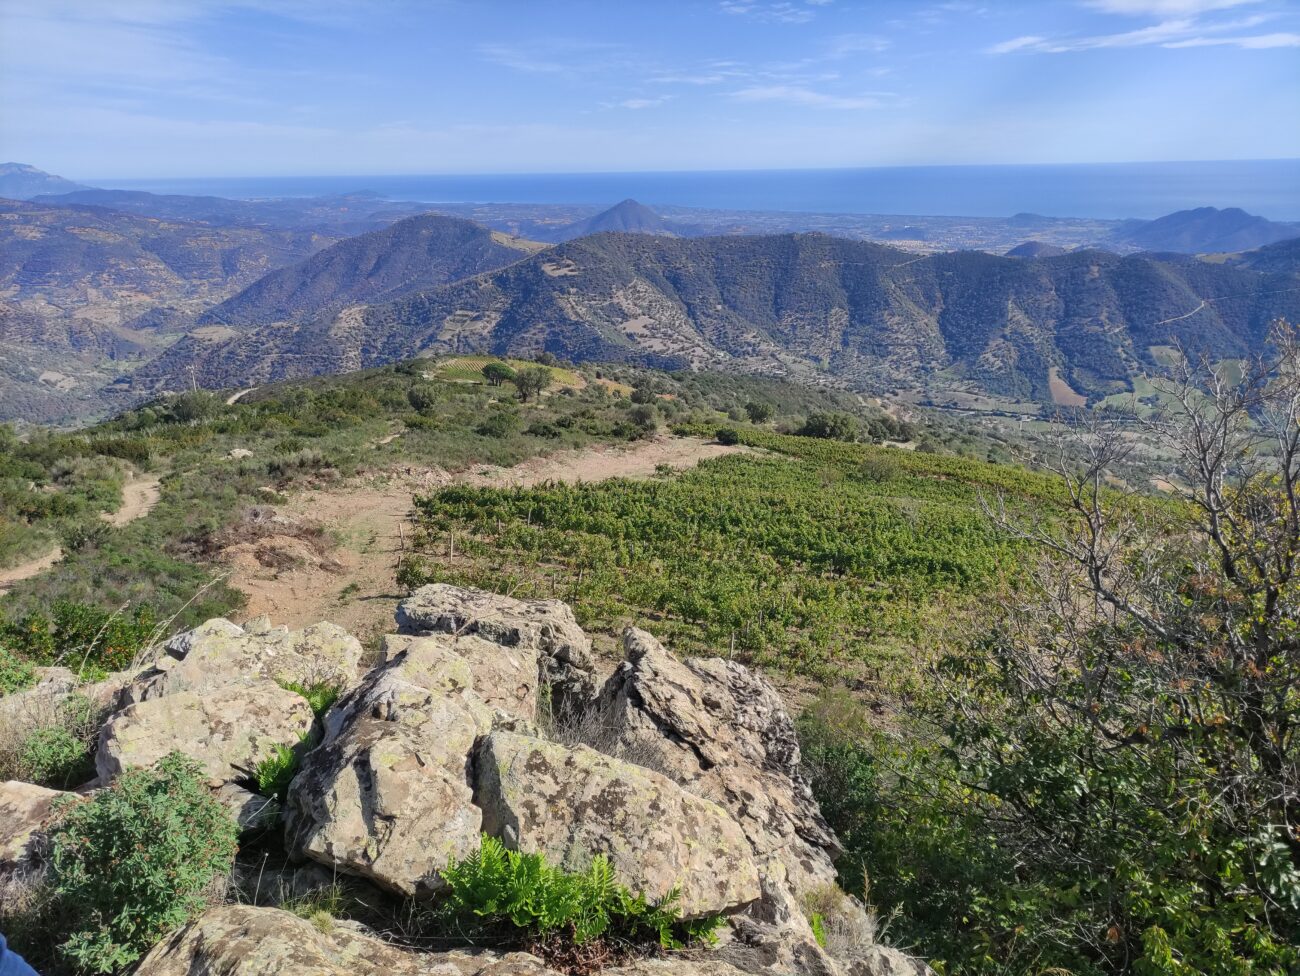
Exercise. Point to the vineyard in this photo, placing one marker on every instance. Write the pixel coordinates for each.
(809, 556)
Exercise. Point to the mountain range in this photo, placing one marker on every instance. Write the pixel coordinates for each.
(19, 181)
(867, 315)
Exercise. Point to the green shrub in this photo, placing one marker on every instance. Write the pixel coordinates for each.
(320, 695)
(727, 436)
(500, 423)
(57, 757)
(500, 886)
(131, 863)
(832, 426)
(276, 772)
(15, 673)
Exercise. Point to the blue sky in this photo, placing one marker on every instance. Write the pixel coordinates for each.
(125, 88)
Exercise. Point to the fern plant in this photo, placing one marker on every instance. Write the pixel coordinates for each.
(497, 885)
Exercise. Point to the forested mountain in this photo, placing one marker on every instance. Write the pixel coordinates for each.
(414, 254)
(1204, 230)
(867, 314)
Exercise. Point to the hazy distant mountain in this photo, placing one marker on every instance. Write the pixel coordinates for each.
(869, 314)
(1205, 230)
(19, 181)
(1036, 249)
(628, 217)
(1280, 258)
(341, 215)
(84, 287)
(415, 254)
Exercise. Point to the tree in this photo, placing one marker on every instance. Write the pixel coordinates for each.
(759, 413)
(531, 381)
(497, 373)
(830, 426)
(1111, 780)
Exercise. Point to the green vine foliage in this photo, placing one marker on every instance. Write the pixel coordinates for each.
(131, 863)
(495, 885)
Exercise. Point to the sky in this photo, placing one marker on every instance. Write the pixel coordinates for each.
(155, 88)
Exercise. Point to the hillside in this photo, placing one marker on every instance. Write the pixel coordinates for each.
(19, 181)
(76, 282)
(414, 254)
(864, 314)
(1036, 249)
(1204, 230)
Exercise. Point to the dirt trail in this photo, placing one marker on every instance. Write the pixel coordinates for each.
(33, 567)
(238, 395)
(371, 520)
(138, 499)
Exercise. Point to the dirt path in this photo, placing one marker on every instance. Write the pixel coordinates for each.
(138, 499)
(371, 520)
(238, 395)
(33, 567)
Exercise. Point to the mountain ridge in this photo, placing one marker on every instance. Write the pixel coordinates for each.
(861, 313)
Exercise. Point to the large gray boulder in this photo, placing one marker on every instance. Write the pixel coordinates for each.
(229, 730)
(241, 940)
(721, 731)
(503, 676)
(572, 804)
(219, 653)
(26, 810)
(386, 795)
(546, 628)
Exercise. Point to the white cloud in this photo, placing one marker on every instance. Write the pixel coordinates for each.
(639, 103)
(1184, 32)
(846, 45)
(798, 95)
(1164, 8)
(778, 12)
(1017, 44)
(1257, 42)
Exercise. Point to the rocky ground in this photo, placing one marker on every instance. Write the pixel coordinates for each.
(483, 715)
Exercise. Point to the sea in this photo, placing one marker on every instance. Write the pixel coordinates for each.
(1269, 188)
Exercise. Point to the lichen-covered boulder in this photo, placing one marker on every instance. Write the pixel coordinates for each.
(387, 795)
(503, 676)
(880, 960)
(544, 627)
(572, 804)
(241, 940)
(720, 730)
(25, 812)
(219, 653)
(228, 730)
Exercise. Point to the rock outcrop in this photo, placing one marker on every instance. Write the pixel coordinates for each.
(220, 653)
(572, 804)
(720, 730)
(546, 628)
(229, 729)
(387, 794)
(687, 779)
(25, 811)
(240, 940)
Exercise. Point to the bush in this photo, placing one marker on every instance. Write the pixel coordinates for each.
(15, 673)
(276, 772)
(727, 436)
(830, 426)
(320, 695)
(501, 423)
(758, 412)
(56, 757)
(131, 863)
(503, 887)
